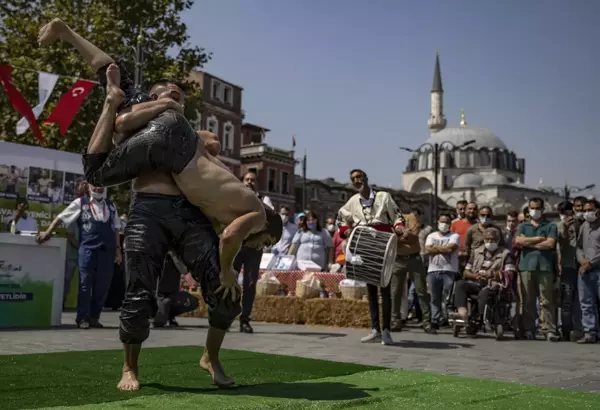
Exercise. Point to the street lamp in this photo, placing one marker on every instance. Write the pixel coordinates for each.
(436, 168)
(567, 190)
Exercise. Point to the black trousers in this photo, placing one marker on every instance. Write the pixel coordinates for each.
(249, 259)
(464, 288)
(386, 306)
(156, 224)
(167, 144)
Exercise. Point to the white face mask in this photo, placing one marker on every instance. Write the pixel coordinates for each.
(96, 195)
(535, 214)
(483, 219)
(285, 218)
(443, 227)
(579, 215)
(563, 217)
(590, 216)
(330, 228)
(491, 246)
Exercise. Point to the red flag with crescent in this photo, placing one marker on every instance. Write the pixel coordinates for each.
(19, 102)
(66, 108)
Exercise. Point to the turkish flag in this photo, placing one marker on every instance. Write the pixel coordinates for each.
(66, 108)
(19, 102)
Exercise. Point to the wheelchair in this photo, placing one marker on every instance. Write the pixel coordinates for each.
(496, 317)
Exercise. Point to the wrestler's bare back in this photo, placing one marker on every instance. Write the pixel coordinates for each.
(209, 184)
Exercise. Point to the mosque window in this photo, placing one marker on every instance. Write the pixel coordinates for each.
(484, 159)
(450, 163)
(213, 125)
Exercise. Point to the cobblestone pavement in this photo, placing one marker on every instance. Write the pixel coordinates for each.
(564, 365)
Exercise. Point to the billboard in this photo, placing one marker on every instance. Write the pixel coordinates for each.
(45, 178)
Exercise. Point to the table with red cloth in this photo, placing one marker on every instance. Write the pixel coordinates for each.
(289, 277)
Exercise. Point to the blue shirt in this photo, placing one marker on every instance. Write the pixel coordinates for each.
(283, 246)
(313, 246)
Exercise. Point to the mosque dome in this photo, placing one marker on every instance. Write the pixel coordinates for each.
(495, 179)
(467, 181)
(484, 138)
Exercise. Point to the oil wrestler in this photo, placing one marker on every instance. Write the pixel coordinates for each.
(162, 217)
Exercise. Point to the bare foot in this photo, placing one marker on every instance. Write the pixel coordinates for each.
(216, 372)
(51, 32)
(113, 79)
(129, 381)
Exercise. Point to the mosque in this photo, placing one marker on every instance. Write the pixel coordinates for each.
(474, 164)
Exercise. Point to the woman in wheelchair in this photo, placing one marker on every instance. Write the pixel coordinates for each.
(487, 273)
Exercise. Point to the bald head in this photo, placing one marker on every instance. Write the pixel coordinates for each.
(211, 142)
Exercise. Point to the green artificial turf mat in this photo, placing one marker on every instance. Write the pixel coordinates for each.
(171, 379)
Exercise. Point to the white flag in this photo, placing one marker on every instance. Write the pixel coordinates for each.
(46, 83)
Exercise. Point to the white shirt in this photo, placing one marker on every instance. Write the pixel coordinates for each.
(101, 212)
(267, 201)
(443, 262)
(368, 202)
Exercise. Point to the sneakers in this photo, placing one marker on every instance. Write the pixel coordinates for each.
(587, 339)
(386, 339)
(552, 337)
(376, 336)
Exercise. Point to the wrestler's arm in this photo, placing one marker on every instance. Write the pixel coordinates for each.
(101, 141)
(139, 116)
(234, 235)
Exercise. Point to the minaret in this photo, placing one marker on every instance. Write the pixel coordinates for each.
(437, 121)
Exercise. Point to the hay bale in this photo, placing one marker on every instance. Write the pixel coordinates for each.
(337, 312)
(278, 309)
(292, 310)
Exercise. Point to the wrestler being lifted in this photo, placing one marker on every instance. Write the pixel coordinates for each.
(168, 160)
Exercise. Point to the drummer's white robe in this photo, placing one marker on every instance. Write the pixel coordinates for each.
(383, 211)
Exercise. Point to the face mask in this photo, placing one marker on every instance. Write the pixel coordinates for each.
(579, 215)
(96, 195)
(590, 216)
(443, 227)
(492, 246)
(312, 227)
(331, 228)
(483, 219)
(535, 214)
(563, 217)
(285, 218)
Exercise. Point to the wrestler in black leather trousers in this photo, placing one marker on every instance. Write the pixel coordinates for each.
(156, 224)
(166, 144)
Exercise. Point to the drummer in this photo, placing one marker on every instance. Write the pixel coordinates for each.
(378, 210)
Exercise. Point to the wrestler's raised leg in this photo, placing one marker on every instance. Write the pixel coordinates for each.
(58, 29)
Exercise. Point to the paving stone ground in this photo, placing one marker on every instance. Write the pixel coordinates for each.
(564, 365)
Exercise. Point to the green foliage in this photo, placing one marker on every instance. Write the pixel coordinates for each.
(114, 26)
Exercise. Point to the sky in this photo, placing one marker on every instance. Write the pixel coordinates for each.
(351, 79)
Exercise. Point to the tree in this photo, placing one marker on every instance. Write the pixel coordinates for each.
(114, 26)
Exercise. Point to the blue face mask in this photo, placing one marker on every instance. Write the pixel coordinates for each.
(312, 227)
